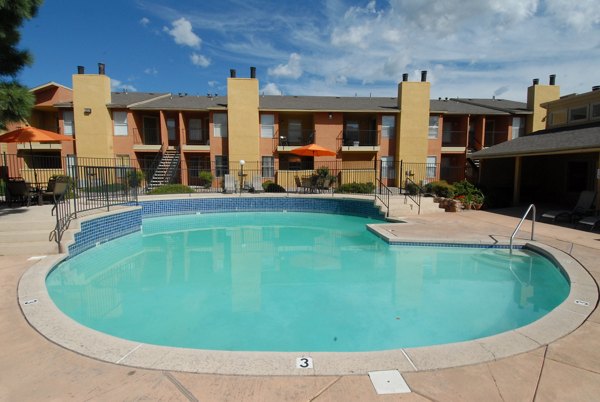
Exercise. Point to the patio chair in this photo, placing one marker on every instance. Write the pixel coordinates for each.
(229, 184)
(257, 184)
(59, 189)
(48, 193)
(583, 207)
(18, 190)
(590, 221)
(302, 184)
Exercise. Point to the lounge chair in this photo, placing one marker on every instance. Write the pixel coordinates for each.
(229, 184)
(304, 184)
(590, 221)
(18, 190)
(257, 184)
(584, 207)
(48, 193)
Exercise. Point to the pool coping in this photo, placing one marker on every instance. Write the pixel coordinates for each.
(48, 320)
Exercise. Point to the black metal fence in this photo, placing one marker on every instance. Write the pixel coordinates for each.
(108, 181)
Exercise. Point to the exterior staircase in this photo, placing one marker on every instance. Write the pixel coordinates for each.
(166, 169)
(401, 207)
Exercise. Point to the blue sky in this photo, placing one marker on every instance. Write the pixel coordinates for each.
(471, 48)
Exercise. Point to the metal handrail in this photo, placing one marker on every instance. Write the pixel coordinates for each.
(531, 207)
(383, 195)
(416, 200)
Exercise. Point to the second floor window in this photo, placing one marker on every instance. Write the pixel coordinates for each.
(68, 123)
(120, 123)
(195, 129)
(579, 113)
(220, 124)
(267, 126)
(388, 126)
(172, 129)
(434, 125)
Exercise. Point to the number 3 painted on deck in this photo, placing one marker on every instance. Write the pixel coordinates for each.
(304, 362)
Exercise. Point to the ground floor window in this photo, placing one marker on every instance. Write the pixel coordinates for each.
(268, 166)
(431, 166)
(221, 165)
(387, 167)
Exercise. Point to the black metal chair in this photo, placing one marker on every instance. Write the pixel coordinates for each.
(18, 191)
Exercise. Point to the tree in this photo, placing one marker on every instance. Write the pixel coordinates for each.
(16, 101)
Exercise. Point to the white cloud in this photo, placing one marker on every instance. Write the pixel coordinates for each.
(581, 14)
(213, 84)
(144, 21)
(199, 60)
(151, 71)
(271, 89)
(116, 85)
(183, 34)
(292, 69)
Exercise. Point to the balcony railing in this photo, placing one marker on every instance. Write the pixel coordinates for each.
(294, 138)
(147, 136)
(454, 138)
(203, 140)
(494, 137)
(359, 138)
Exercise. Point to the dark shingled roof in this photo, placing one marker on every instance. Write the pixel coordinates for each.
(183, 102)
(584, 138)
(328, 103)
(478, 106)
(125, 99)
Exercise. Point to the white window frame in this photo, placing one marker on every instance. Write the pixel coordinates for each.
(518, 127)
(268, 166)
(579, 108)
(431, 166)
(435, 128)
(220, 125)
(267, 125)
(120, 126)
(388, 128)
(387, 167)
(68, 122)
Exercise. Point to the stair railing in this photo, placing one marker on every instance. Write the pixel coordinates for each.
(154, 165)
(173, 165)
(382, 193)
(416, 198)
(531, 207)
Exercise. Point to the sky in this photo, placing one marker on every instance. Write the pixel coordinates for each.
(470, 48)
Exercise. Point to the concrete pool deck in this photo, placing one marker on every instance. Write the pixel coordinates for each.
(32, 368)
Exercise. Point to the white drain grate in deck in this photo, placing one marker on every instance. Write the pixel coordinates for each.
(388, 382)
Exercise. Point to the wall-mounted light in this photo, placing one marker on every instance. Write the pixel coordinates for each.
(87, 111)
(330, 116)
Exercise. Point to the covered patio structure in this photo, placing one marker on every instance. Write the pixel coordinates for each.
(547, 167)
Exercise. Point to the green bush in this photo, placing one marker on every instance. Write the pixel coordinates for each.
(205, 178)
(172, 189)
(468, 193)
(357, 188)
(271, 187)
(135, 178)
(412, 188)
(440, 189)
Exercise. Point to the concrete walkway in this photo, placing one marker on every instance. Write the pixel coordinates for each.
(34, 369)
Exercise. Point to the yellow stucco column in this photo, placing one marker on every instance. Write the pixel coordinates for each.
(243, 121)
(536, 96)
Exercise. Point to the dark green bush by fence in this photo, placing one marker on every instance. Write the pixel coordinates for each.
(172, 189)
(357, 188)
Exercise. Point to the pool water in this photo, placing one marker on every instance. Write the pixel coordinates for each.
(297, 282)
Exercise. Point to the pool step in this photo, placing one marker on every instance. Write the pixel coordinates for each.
(398, 208)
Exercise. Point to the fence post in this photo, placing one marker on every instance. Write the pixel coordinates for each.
(104, 180)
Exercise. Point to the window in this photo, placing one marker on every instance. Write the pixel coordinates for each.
(68, 123)
(431, 166)
(221, 165)
(388, 126)
(195, 129)
(352, 133)
(267, 126)
(120, 123)
(220, 125)
(596, 111)
(268, 166)
(387, 167)
(518, 128)
(171, 129)
(578, 113)
(122, 162)
(295, 132)
(434, 125)
(447, 132)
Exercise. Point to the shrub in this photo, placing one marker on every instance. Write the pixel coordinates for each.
(205, 178)
(440, 189)
(135, 178)
(357, 188)
(271, 187)
(469, 194)
(412, 188)
(172, 189)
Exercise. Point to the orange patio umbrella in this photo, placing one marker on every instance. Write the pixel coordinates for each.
(33, 134)
(313, 150)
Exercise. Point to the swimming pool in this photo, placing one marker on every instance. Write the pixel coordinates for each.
(298, 281)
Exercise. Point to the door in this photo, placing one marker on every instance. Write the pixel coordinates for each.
(295, 132)
(150, 131)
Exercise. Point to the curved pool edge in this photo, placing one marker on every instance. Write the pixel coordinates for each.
(48, 320)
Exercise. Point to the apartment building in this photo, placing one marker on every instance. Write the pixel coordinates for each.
(384, 138)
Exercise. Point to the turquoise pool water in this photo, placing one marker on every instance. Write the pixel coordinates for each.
(297, 282)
